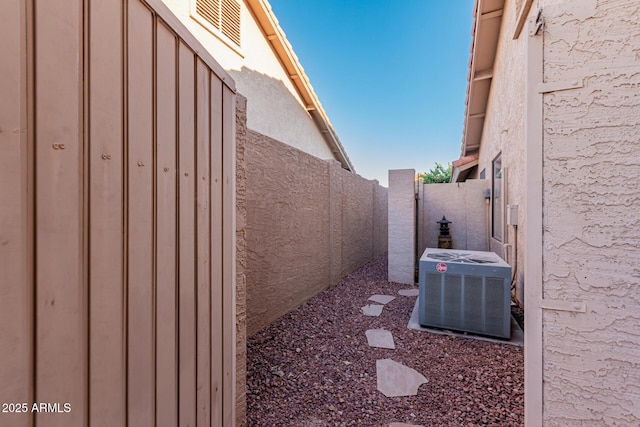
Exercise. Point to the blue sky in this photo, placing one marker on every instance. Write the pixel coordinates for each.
(391, 75)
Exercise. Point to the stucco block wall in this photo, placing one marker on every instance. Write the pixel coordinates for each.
(274, 107)
(503, 132)
(590, 212)
(241, 263)
(380, 219)
(287, 229)
(402, 225)
(462, 203)
(357, 223)
(309, 222)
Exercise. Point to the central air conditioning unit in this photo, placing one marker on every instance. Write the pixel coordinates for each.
(466, 291)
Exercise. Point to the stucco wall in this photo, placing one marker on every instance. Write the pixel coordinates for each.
(274, 107)
(503, 132)
(241, 263)
(380, 219)
(462, 203)
(309, 223)
(358, 207)
(402, 226)
(590, 212)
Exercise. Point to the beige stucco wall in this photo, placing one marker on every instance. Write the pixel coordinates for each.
(463, 204)
(380, 219)
(308, 223)
(590, 212)
(241, 263)
(590, 366)
(503, 132)
(402, 226)
(274, 108)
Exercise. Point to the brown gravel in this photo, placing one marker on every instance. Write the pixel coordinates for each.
(313, 367)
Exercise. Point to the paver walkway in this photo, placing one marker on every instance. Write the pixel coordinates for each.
(393, 379)
(372, 310)
(380, 338)
(314, 367)
(382, 299)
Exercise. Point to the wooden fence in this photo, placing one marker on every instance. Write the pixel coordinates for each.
(117, 244)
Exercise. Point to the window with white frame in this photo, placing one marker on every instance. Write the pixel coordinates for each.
(220, 17)
(496, 199)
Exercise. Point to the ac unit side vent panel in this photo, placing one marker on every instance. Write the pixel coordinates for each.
(463, 296)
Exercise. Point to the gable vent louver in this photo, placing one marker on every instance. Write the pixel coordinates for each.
(231, 20)
(223, 15)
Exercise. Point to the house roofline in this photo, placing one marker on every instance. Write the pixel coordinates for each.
(462, 167)
(270, 27)
(487, 22)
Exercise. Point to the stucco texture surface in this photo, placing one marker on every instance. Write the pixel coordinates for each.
(358, 206)
(274, 107)
(380, 220)
(503, 133)
(591, 222)
(402, 225)
(241, 263)
(308, 224)
(275, 111)
(463, 204)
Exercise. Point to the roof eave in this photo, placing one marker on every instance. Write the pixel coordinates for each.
(462, 167)
(485, 37)
(283, 50)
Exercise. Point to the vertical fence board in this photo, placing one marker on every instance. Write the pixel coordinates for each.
(117, 295)
(187, 307)
(60, 325)
(228, 256)
(166, 333)
(15, 263)
(140, 216)
(106, 340)
(216, 251)
(203, 210)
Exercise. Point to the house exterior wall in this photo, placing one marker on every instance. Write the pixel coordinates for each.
(308, 223)
(117, 153)
(582, 341)
(591, 192)
(503, 132)
(274, 107)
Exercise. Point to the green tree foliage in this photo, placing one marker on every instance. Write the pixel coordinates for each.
(437, 175)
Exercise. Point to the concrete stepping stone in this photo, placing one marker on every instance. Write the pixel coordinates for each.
(380, 338)
(403, 425)
(409, 292)
(395, 379)
(372, 310)
(382, 299)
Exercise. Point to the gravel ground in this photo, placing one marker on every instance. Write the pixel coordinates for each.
(313, 367)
